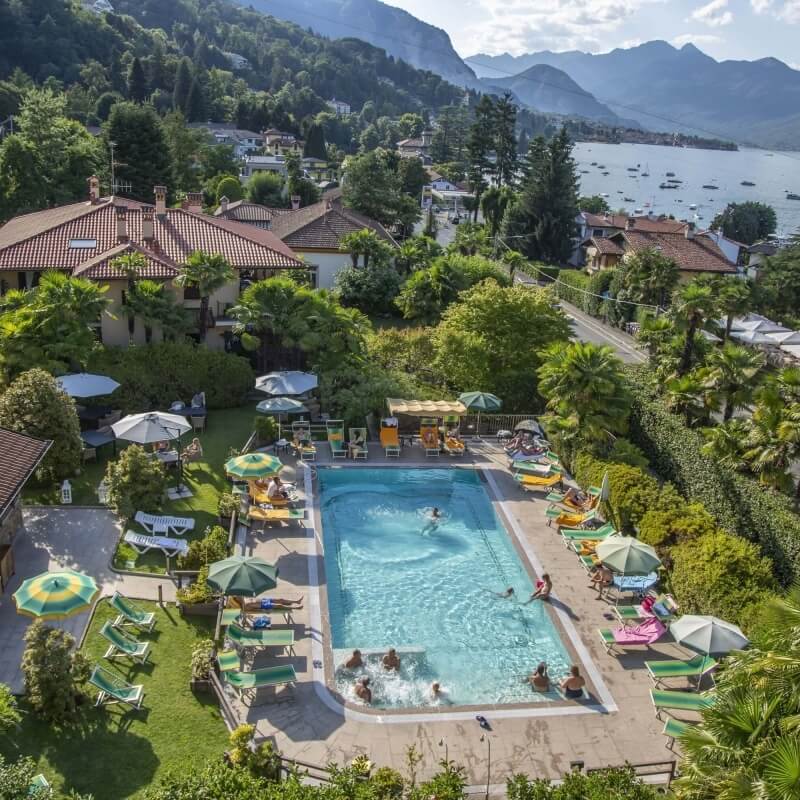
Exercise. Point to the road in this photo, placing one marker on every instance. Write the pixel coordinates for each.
(589, 329)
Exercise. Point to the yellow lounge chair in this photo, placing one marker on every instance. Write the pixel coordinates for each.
(534, 483)
(259, 495)
(429, 437)
(566, 519)
(390, 441)
(275, 514)
(453, 446)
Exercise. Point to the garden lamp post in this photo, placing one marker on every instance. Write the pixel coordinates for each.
(488, 740)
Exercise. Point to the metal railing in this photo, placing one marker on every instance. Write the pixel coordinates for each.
(648, 769)
(490, 424)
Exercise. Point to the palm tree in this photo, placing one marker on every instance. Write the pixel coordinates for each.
(150, 302)
(207, 272)
(585, 390)
(774, 438)
(747, 746)
(367, 244)
(692, 305)
(649, 277)
(416, 253)
(688, 395)
(732, 376)
(726, 443)
(734, 297)
(131, 264)
(514, 261)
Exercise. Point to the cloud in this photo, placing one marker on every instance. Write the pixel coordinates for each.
(520, 26)
(784, 10)
(715, 13)
(699, 39)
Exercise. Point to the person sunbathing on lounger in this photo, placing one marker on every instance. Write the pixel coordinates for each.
(576, 498)
(391, 661)
(543, 589)
(275, 490)
(363, 692)
(267, 603)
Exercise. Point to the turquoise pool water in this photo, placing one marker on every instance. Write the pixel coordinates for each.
(396, 580)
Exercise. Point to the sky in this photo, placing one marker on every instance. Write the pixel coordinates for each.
(725, 29)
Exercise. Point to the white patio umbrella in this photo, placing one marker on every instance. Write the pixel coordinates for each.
(288, 382)
(281, 405)
(84, 384)
(151, 427)
(707, 634)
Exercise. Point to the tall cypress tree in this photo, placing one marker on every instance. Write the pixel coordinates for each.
(183, 85)
(505, 141)
(195, 102)
(315, 143)
(479, 145)
(137, 82)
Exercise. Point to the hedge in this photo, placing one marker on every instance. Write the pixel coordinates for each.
(569, 286)
(738, 503)
(156, 375)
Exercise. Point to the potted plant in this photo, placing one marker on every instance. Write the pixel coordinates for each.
(262, 760)
(202, 665)
(266, 430)
(227, 505)
(198, 598)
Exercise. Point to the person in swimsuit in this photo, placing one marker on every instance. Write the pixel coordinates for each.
(540, 680)
(354, 661)
(363, 692)
(543, 589)
(506, 595)
(391, 661)
(433, 521)
(573, 684)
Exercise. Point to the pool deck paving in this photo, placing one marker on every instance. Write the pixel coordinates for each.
(617, 724)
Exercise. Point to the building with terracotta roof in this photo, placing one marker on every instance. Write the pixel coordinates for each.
(83, 239)
(417, 147)
(693, 253)
(249, 213)
(20, 456)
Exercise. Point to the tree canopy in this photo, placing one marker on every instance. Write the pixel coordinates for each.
(746, 222)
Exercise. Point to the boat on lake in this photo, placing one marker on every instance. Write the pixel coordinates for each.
(692, 206)
(747, 183)
(670, 174)
(628, 199)
(667, 186)
(792, 196)
(710, 186)
(633, 169)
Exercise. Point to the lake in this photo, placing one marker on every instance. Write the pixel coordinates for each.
(773, 175)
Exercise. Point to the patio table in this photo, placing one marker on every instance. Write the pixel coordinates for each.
(168, 456)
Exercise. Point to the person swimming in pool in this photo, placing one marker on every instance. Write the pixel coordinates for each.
(434, 518)
(355, 661)
(363, 692)
(506, 595)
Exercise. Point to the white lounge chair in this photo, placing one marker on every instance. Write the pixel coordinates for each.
(141, 543)
(153, 523)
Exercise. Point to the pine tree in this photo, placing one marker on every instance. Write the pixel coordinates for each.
(315, 143)
(137, 82)
(195, 102)
(505, 141)
(479, 144)
(183, 85)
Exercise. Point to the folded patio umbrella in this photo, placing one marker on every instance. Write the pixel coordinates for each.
(289, 382)
(281, 405)
(628, 555)
(242, 576)
(84, 384)
(151, 427)
(253, 465)
(708, 635)
(55, 595)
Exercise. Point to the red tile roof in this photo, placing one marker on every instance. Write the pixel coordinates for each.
(41, 241)
(251, 213)
(20, 455)
(698, 254)
(604, 245)
(644, 223)
(101, 268)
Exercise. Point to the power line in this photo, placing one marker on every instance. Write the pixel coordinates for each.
(578, 92)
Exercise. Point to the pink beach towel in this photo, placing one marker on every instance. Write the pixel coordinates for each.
(646, 632)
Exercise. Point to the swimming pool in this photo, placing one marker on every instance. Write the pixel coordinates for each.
(396, 580)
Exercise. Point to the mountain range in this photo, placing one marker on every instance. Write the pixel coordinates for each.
(669, 88)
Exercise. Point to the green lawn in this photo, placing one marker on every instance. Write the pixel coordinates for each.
(114, 753)
(226, 429)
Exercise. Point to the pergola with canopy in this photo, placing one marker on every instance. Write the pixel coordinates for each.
(426, 410)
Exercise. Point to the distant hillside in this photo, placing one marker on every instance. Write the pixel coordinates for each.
(396, 31)
(664, 87)
(550, 90)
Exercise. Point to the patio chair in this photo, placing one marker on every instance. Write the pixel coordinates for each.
(153, 523)
(198, 423)
(228, 661)
(429, 437)
(130, 614)
(142, 543)
(664, 608)
(358, 443)
(646, 633)
(89, 454)
(540, 468)
(674, 729)
(248, 683)
(454, 446)
(567, 519)
(335, 430)
(571, 535)
(122, 646)
(695, 668)
(38, 785)
(672, 700)
(259, 496)
(114, 690)
(533, 483)
(264, 637)
(568, 504)
(390, 441)
(301, 438)
(258, 514)
(266, 606)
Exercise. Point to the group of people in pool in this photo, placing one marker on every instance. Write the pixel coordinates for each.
(572, 685)
(391, 663)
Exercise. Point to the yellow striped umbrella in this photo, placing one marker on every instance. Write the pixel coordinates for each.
(55, 595)
(253, 465)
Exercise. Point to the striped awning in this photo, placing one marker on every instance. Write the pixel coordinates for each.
(425, 408)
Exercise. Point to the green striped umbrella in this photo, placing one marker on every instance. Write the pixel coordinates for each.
(242, 576)
(55, 595)
(253, 465)
(480, 401)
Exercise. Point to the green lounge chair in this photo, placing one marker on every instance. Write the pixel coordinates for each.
(335, 430)
(697, 667)
(674, 729)
(130, 614)
(266, 637)
(248, 683)
(636, 614)
(38, 784)
(122, 646)
(228, 661)
(114, 690)
(569, 535)
(679, 701)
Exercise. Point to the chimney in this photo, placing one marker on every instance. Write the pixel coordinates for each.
(161, 200)
(147, 224)
(630, 223)
(689, 230)
(195, 202)
(223, 204)
(295, 202)
(427, 136)
(122, 224)
(94, 190)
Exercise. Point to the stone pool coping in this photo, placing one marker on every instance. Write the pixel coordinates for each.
(322, 653)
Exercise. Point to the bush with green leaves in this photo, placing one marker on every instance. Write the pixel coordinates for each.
(372, 289)
(266, 428)
(54, 671)
(720, 574)
(228, 504)
(572, 286)
(231, 187)
(198, 592)
(608, 784)
(15, 780)
(9, 713)
(664, 527)
(259, 759)
(202, 552)
(202, 659)
(738, 503)
(34, 405)
(136, 482)
(624, 451)
(159, 374)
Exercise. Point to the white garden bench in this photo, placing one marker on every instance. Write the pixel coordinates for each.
(156, 524)
(141, 543)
